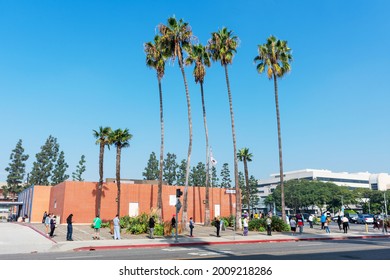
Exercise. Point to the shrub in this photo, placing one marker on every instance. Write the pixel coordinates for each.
(256, 224)
(159, 230)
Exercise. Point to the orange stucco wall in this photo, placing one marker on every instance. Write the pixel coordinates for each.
(40, 203)
(79, 198)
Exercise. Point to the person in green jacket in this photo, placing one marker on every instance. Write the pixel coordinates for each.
(97, 224)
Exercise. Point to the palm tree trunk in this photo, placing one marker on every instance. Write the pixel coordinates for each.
(207, 205)
(159, 193)
(118, 177)
(185, 194)
(100, 186)
(247, 186)
(236, 181)
(280, 148)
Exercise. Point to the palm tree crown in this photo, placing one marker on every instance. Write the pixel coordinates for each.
(155, 56)
(201, 58)
(223, 45)
(244, 155)
(120, 138)
(275, 56)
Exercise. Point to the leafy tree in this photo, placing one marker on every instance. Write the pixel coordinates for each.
(181, 174)
(120, 138)
(275, 56)
(80, 169)
(16, 171)
(198, 175)
(102, 139)
(214, 178)
(151, 170)
(222, 46)
(200, 57)
(253, 191)
(170, 169)
(155, 59)
(245, 156)
(176, 37)
(60, 167)
(225, 177)
(44, 164)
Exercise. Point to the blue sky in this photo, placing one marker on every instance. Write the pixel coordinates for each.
(68, 67)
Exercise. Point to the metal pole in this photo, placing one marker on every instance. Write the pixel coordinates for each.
(176, 218)
(384, 212)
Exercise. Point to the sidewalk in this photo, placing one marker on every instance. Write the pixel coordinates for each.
(82, 236)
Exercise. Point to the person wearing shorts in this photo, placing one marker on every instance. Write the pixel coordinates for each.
(97, 224)
(293, 226)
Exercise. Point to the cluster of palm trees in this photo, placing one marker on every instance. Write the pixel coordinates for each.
(174, 40)
(105, 136)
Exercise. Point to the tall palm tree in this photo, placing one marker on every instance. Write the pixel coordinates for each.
(222, 46)
(102, 139)
(120, 138)
(275, 56)
(176, 37)
(155, 59)
(245, 156)
(200, 57)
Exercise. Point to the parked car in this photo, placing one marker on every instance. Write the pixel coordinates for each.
(365, 219)
(352, 217)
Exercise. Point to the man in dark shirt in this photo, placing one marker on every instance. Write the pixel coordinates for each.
(69, 231)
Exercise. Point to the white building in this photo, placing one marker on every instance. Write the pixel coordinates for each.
(380, 181)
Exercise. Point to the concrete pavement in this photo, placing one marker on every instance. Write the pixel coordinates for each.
(31, 238)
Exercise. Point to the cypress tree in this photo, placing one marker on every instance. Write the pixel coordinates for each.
(60, 167)
(80, 170)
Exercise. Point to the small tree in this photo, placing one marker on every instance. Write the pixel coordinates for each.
(170, 169)
(16, 170)
(60, 167)
(80, 169)
(151, 170)
(181, 174)
(225, 176)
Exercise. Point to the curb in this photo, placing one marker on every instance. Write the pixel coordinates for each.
(200, 243)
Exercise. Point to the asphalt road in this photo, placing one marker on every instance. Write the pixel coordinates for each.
(359, 249)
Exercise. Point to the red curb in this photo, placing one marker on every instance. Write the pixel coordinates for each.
(123, 247)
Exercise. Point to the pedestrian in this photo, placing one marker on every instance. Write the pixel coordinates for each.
(151, 227)
(173, 224)
(53, 225)
(339, 221)
(191, 225)
(44, 217)
(300, 224)
(47, 223)
(293, 226)
(117, 227)
(217, 224)
(97, 223)
(326, 226)
(323, 219)
(69, 228)
(311, 218)
(245, 222)
(345, 224)
(269, 224)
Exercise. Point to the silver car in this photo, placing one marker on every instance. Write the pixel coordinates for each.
(365, 219)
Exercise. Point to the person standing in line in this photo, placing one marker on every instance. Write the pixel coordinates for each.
(151, 227)
(293, 226)
(311, 218)
(97, 223)
(173, 225)
(47, 223)
(117, 227)
(269, 224)
(245, 224)
(345, 224)
(53, 225)
(191, 225)
(217, 224)
(69, 228)
(44, 217)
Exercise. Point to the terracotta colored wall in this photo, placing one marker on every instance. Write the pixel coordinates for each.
(79, 198)
(40, 203)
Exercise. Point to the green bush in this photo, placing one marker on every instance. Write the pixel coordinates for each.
(256, 224)
(262, 229)
(159, 230)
